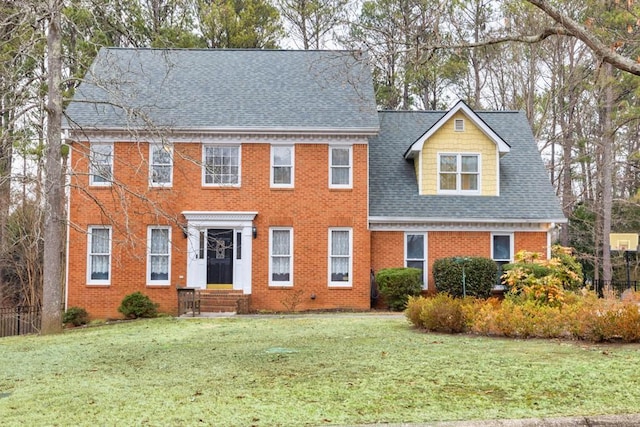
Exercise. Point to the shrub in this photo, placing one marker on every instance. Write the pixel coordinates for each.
(443, 313)
(480, 276)
(543, 281)
(568, 269)
(75, 316)
(481, 316)
(398, 284)
(583, 316)
(413, 310)
(601, 319)
(138, 305)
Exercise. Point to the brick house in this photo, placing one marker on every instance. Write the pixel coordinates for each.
(271, 175)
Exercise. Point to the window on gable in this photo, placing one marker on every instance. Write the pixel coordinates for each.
(158, 255)
(415, 251)
(340, 170)
(101, 164)
(221, 165)
(99, 256)
(459, 173)
(281, 262)
(160, 165)
(282, 166)
(458, 125)
(340, 254)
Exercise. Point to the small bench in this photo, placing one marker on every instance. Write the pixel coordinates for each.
(188, 300)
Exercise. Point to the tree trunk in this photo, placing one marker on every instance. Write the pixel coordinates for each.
(607, 171)
(52, 286)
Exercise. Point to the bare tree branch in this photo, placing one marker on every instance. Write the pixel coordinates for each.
(607, 53)
(520, 38)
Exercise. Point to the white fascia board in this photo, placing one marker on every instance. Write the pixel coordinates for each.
(391, 219)
(368, 131)
(173, 136)
(416, 147)
(463, 227)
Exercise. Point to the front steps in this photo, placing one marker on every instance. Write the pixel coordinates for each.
(223, 301)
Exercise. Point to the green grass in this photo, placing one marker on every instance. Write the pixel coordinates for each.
(293, 371)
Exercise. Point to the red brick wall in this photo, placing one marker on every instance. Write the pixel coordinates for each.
(387, 249)
(532, 242)
(310, 208)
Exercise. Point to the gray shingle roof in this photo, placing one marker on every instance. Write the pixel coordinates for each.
(526, 195)
(226, 89)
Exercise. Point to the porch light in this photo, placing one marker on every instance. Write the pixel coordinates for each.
(254, 230)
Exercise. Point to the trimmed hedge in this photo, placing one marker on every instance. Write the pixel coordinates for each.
(398, 284)
(581, 316)
(480, 276)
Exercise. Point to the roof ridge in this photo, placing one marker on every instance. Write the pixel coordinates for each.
(205, 49)
(445, 111)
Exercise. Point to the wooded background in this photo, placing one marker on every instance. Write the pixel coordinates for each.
(572, 66)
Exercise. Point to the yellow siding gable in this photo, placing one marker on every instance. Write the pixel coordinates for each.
(445, 140)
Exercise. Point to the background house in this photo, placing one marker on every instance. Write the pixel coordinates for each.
(270, 174)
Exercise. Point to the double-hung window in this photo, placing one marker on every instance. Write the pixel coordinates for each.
(340, 256)
(99, 256)
(282, 158)
(160, 165)
(221, 165)
(501, 251)
(340, 167)
(415, 251)
(459, 173)
(281, 257)
(158, 255)
(101, 164)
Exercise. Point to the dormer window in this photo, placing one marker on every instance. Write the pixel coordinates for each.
(458, 125)
(458, 173)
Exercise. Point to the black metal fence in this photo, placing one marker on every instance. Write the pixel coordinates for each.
(20, 320)
(618, 286)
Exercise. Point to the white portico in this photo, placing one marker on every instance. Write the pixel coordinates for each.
(219, 249)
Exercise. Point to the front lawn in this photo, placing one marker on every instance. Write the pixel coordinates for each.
(309, 370)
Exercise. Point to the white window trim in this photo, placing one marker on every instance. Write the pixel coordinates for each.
(107, 182)
(204, 166)
(424, 260)
(151, 282)
(511, 246)
(350, 184)
(292, 165)
(455, 125)
(288, 283)
(151, 165)
(91, 281)
(340, 284)
(458, 190)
